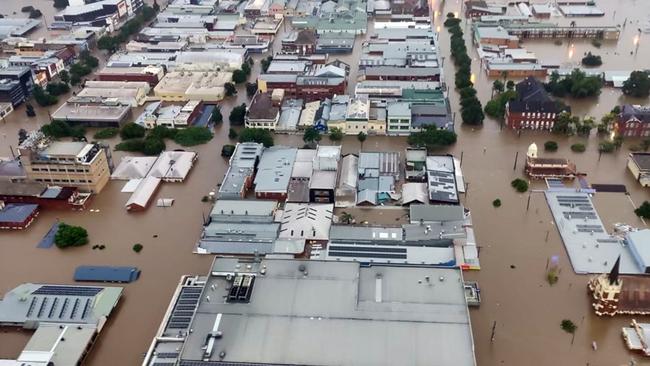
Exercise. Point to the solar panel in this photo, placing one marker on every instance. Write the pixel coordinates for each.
(167, 354)
(67, 290)
(74, 308)
(53, 308)
(31, 306)
(64, 307)
(368, 255)
(86, 309)
(367, 249)
(42, 308)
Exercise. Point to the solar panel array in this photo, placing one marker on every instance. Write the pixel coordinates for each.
(59, 308)
(367, 252)
(67, 290)
(184, 309)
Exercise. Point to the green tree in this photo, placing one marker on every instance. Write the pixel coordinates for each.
(106, 133)
(592, 60)
(579, 148)
(645, 144)
(192, 136)
(132, 130)
(137, 247)
(246, 68)
(56, 89)
(238, 115)
(68, 235)
(638, 85)
(42, 98)
(227, 150)
(266, 62)
(606, 147)
(643, 210)
(520, 185)
(510, 85)
(496, 203)
(232, 134)
(162, 132)
(216, 117)
(59, 129)
(311, 135)
(257, 135)
(432, 138)
(153, 146)
(568, 326)
(473, 114)
(336, 134)
(130, 145)
(230, 89)
(347, 218)
(361, 136)
(550, 146)
(251, 89)
(64, 76)
(497, 87)
(239, 76)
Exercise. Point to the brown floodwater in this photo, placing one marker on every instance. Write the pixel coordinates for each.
(527, 311)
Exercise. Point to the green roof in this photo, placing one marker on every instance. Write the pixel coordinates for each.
(428, 95)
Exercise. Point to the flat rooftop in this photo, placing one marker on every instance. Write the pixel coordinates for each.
(325, 313)
(590, 248)
(73, 111)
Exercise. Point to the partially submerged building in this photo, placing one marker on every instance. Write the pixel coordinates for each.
(274, 173)
(241, 171)
(238, 309)
(67, 320)
(237, 227)
(639, 165)
(544, 168)
(86, 166)
(441, 179)
(17, 216)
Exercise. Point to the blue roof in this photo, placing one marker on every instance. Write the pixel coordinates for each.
(106, 274)
(17, 212)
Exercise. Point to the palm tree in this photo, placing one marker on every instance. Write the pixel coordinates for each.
(362, 137)
(346, 218)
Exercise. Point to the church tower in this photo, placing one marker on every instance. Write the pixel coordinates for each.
(605, 290)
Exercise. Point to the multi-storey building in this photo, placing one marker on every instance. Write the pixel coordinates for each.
(633, 121)
(533, 109)
(86, 166)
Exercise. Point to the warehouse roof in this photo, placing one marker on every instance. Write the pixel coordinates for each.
(298, 305)
(274, 170)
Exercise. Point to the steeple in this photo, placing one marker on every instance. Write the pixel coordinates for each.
(613, 274)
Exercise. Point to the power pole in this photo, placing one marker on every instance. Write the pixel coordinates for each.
(494, 330)
(516, 158)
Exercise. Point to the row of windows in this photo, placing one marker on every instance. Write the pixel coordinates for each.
(64, 180)
(395, 127)
(645, 133)
(538, 115)
(60, 170)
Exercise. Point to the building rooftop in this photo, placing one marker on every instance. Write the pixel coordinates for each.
(262, 108)
(241, 169)
(173, 165)
(310, 221)
(274, 170)
(243, 211)
(64, 148)
(15, 27)
(298, 305)
(441, 178)
(590, 248)
(642, 160)
(77, 109)
(16, 212)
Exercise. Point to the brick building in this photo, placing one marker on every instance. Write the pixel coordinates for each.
(633, 121)
(533, 109)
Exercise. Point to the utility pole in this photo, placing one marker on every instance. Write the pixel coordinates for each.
(516, 158)
(461, 158)
(528, 204)
(494, 329)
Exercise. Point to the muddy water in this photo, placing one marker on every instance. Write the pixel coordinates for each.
(526, 309)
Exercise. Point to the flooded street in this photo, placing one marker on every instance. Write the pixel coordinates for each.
(514, 245)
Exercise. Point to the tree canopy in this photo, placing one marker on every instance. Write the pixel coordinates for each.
(577, 85)
(336, 134)
(432, 138)
(592, 60)
(643, 210)
(638, 85)
(70, 236)
(59, 129)
(191, 136)
(132, 130)
(238, 115)
(311, 135)
(258, 135)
